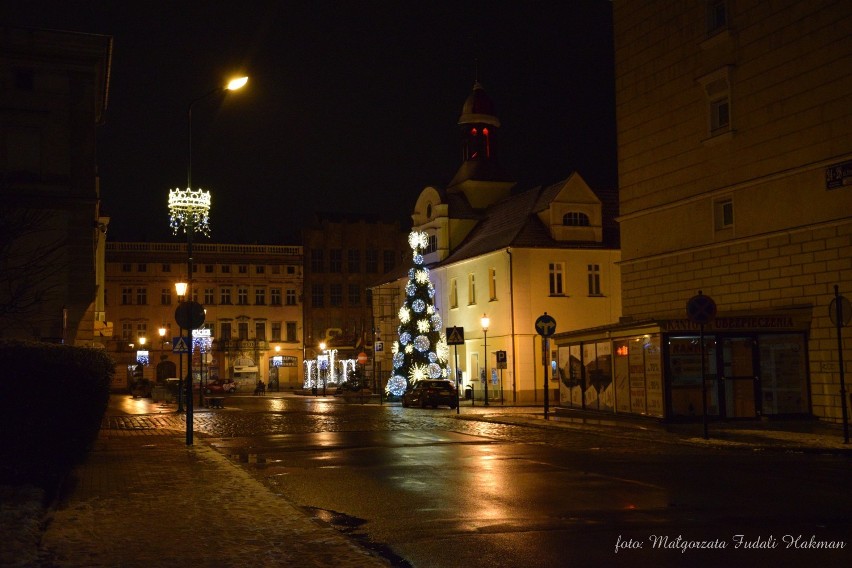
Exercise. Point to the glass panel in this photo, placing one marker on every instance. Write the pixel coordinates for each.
(622, 375)
(685, 372)
(783, 374)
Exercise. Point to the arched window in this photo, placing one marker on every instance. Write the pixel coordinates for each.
(575, 219)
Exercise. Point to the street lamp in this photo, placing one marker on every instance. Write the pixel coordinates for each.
(485, 323)
(190, 210)
(180, 288)
(162, 332)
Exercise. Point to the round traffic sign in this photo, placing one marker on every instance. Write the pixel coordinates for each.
(701, 309)
(189, 315)
(545, 325)
(362, 358)
(845, 311)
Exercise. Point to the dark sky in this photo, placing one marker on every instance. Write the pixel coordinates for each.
(351, 105)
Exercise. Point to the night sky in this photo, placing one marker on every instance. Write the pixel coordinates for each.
(351, 106)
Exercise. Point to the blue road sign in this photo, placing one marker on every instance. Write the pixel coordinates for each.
(545, 325)
(180, 344)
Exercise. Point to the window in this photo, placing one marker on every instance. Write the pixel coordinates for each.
(354, 260)
(142, 296)
(226, 269)
(126, 268)
(142, 330)
(335, 295)
(142, 267)
(389, 260)
(242, 269)
(242, 296)
(317, 295)
(432, 246)
(291, 297)
(717, 16)
(226, 331)
(492, 284)
(720, 115)
(454, 293)
(723, 214)
(166, 268)
(275, 296)
(594, 280)
(575, 219)
(242, 330)
(166, 296)
(225, 296)
(471, 289)
(291, 331)
(291, 270)
(317, 262)
(717, 89)
(354, 295)
(259, 296)
(335, 260)
(260, 269)
(276, 331)
(209, 296)
(126, 330)
(260, 330)
(557, 276)
(208, 269)
(195, 294)
(372, 261)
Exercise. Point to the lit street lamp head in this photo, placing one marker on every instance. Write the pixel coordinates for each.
(235, 84)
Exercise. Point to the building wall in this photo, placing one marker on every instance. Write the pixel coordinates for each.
(53, 87)
(217, 267)
(353, 321)
(786, 71)
(522, 294)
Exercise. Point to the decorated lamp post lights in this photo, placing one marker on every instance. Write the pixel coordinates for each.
(421, 350)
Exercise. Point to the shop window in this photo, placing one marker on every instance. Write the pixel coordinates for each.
(783, 374)
(685, 376)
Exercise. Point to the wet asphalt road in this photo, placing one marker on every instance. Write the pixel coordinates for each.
(428, 489)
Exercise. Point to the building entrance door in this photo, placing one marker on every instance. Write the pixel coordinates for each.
(739, 373)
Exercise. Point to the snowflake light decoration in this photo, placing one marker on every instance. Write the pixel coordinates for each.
(423, 326)
(418, 240)
(422, 276)
(418, 372)
(189, 210)
(404, 314)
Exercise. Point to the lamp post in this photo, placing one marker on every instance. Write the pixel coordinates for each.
(485, 323)
(180, 288)
(162, 332)
(324, 375)
(190, 210)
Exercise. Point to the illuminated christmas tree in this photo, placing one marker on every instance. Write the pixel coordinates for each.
(421, 350)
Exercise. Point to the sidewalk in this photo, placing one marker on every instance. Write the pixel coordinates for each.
(143, 498)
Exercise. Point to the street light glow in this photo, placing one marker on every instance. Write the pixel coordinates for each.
(235, 84)
(180, 288)
(485, 321)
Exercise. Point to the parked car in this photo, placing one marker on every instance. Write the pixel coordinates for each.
(431, 393)
(220, 386)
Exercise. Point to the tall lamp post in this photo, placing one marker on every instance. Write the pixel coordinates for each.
(322, 347)
(162, 332)
(190, 210)
(180, 288)
(485, 323)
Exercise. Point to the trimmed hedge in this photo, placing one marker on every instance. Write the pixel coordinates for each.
(52, 400)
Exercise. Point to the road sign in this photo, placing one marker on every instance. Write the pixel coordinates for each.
(845, 311)
(379, 346)
(701, 309)
(455, 336)
(362, 358)
(545, 325)
(180, 344)
(189, 315)
(501, 359)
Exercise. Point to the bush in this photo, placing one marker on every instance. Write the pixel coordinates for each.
(53, 400)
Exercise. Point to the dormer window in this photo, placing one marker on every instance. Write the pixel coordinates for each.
(575, 219)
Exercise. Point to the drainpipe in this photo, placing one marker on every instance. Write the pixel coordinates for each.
(512, 318)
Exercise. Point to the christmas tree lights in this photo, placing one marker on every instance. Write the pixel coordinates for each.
(421, 351)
